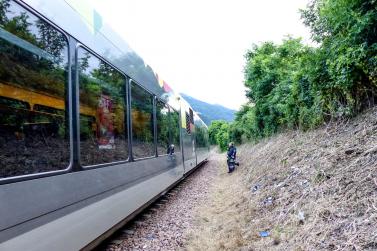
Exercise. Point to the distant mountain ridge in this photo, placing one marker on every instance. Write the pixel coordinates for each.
(209, 112)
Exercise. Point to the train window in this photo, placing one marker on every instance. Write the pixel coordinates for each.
(175, 130)
(200, 136)
(162, 114)
(103, 137)
(33, 70)
(14, 103)
(49, 110)
(142, 123)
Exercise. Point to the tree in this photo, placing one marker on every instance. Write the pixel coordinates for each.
(218, 133)
(213, 129)
(346, 31)
(296, 86)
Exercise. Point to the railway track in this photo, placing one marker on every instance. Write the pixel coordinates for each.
(164, 224)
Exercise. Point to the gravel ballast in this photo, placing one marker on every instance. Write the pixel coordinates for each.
(164, 226)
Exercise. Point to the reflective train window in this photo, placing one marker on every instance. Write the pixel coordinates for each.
(175, 130)
(162, 114)
(142, 123)
(33, 75)
(201, 136)
(103, 137)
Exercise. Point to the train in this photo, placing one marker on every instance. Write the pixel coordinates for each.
(90, 135)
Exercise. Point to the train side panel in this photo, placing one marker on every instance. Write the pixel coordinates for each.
(35, 202)
(65, 179)
(201, 139)
(75, 230)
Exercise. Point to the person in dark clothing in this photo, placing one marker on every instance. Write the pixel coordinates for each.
(170, 149)
(231, 157)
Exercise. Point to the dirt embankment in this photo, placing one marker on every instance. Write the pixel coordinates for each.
(302, 191)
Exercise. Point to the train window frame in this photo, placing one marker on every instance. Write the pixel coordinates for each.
(134, 82)
(67, 99)
(77, 110)
(171, 109)
(166, 105)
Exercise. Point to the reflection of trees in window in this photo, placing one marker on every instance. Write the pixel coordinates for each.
(162, 114)
(142, 123)
(175, 129)
(200, 136)
(4, 6)
(33, 80)
(25, 44)
(103, 137)
(50, 39)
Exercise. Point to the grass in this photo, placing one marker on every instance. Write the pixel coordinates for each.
(324, 195)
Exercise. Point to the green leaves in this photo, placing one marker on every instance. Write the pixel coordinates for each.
(295, 86)
(218, 133)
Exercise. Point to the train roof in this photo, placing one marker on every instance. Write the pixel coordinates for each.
(81, 21)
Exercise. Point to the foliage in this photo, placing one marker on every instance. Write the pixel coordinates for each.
(222, 137)
(213, 129)
(175, 128)
(38, 66)
(294, 86)
(218, 133)
(163, 121)
(291, 85)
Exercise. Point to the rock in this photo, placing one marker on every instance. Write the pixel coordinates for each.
(349, 151)
(268, 201)
(371, 151)
(150, 236)
(117, 242)
(301, 217)
(128, 231)
(166, 230)
(139, 223)
(255, 188)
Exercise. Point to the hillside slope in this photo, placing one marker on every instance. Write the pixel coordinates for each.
(209, 112)
(310, 191)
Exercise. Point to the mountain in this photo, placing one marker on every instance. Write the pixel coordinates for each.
(209, 112)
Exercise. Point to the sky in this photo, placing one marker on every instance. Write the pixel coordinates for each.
(198, 46)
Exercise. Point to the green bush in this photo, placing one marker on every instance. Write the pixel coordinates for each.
(291, 85)
(219, 134)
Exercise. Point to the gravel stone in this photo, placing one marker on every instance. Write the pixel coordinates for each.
(166, 224)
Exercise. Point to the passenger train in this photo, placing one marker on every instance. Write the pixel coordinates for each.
(89, 134)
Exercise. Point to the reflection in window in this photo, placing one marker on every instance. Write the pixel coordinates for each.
(162, 114)
(175, 130)
(33, 73)
(201, 138)
(103, 137)
(142, 123)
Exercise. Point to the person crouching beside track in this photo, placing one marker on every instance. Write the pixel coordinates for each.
(231, 157)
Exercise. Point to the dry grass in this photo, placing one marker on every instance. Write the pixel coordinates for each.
(217, 221)
(311, 191)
